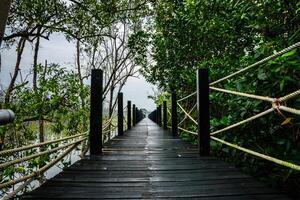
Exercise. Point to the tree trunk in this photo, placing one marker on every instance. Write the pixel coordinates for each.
(41, 119)
(78, 61)
(4, 9)
(81, 80)
(34, 83)
(110, 109)
(35, 59)
(10, 88)
(42, 130)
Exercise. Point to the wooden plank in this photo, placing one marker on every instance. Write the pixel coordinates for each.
(149, 163)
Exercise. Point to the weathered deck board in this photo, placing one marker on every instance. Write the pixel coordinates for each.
(148, 163)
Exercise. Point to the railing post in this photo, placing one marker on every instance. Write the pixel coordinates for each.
(203, 112)
(129, 115)
(95, 136)
(174, 114)
(133, 115)
(159, 115)
(154, 116)
(138, 116)
(165, 120)
(120, 114)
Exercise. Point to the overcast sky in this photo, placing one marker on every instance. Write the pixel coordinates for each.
(58, 50)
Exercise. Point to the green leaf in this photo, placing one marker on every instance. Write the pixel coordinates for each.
(291, 53)
(281, 84)
(262, 76)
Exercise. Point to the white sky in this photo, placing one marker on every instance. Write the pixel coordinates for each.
(58, 50)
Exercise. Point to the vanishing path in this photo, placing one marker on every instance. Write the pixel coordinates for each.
(148, 163)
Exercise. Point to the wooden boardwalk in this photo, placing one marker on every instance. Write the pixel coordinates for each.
(148, 163)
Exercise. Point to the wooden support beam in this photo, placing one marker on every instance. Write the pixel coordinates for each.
(129, 115)
(133, 115)
(174, 114)
(203, 112)
(95, 135)
(120, 114)
(159, 115)
(165, 116)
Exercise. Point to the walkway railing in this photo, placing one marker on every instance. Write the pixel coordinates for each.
(58, 149)
(67, 145)
(277, 104)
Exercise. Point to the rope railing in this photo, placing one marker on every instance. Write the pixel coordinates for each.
(169, 116)
(110, 130)
(290, 110)
(27, 179)
(84, 150)
(124, 122)
(290, 48)
(187, 114)
(260, 155)
(23, 159)
(107, 123)
(124, 118)
(277, 104)
(257, 154)
(289, 96)
(243, 121)
(31, 177)
(10, 151)
(186, 97)
(17, 190)
(253, 96)
(41, 170)
(188, 131)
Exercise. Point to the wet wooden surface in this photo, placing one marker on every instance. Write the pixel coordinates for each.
(148, 163)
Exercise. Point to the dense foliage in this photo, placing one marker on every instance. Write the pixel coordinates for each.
(224, 36)
(104, 34)
(52, 101)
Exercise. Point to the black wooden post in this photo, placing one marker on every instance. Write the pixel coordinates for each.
(165, 114)
(120, 114)
(174, 114)
(159, 115)
(95, 136)
(136, 115)
(203, 112)
(133, 115)
(129, 115)
(154, 114)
